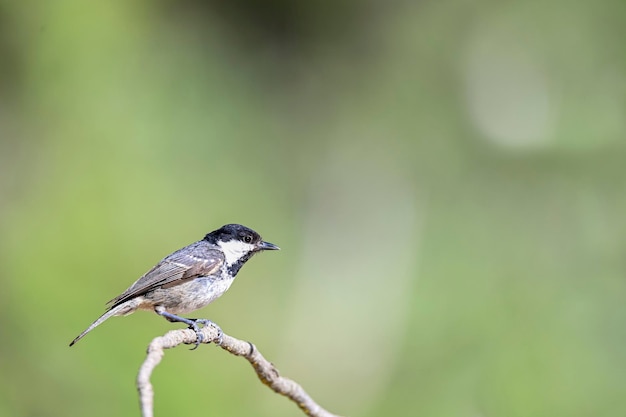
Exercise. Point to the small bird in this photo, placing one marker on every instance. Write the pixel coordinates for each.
(189, 279)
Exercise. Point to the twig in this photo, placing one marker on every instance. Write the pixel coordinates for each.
(266, 372)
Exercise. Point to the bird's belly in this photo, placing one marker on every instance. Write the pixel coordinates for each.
(191, 295)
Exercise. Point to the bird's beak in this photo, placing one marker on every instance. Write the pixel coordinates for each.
(267, 246)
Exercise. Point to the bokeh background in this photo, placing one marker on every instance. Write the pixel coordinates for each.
(446, 179)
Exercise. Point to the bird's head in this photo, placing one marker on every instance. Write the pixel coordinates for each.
(238, 243)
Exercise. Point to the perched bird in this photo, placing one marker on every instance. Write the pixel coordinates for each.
(189, 279)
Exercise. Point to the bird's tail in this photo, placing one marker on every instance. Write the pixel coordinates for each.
(119, 310)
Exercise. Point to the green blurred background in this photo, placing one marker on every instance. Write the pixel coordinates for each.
(446, 179)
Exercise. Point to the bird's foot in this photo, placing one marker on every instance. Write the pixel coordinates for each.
(193, 325)
(199, 336)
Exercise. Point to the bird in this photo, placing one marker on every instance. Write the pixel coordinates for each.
(189, 278)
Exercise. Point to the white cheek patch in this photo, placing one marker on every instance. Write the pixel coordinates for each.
(234, 250)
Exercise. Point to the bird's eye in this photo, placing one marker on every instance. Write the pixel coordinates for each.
(247, 239)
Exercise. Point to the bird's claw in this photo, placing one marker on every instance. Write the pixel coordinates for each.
(199, 336)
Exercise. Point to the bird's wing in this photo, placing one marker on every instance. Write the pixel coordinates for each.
(179, 267)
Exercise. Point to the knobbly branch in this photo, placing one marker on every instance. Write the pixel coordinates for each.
(266, 372)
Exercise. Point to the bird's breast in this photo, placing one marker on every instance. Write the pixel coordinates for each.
(192, 295)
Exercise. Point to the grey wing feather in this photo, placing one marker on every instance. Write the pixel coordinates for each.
(175, 269)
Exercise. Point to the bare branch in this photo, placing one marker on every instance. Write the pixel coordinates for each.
(266, 372)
